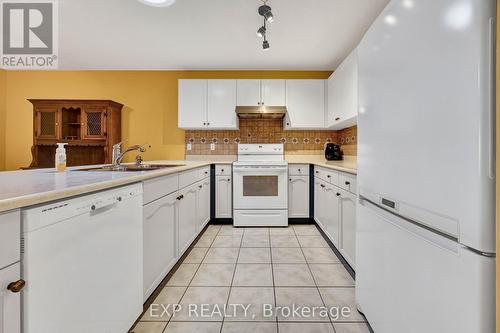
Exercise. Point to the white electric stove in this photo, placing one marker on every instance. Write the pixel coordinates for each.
(260, 187)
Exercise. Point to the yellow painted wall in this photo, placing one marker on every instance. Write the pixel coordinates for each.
(150, 99)
(2, 118)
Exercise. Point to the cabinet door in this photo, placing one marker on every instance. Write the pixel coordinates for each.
(298, 197)
(203, 204)
(224, 198)
(249, 93)
(47, 123)
(10, 302)
(343, 94)
(94, 122)
(305, 101)
(319, 198)
(192, 104)
(158, 241)
(187, 217)
(348, 221)
(332, 213)
(274, 92)
(222, 104)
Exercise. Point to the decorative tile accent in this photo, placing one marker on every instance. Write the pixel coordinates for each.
(269, 131)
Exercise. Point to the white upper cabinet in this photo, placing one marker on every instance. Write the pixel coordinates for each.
(305, 101)
(207, 104)
(249, 93)
(343, 94)
(222, 104)
(274, 92)
(261, 92)
(192, 103)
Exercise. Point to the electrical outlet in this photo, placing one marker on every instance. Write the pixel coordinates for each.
(212, 146)
(189, 147)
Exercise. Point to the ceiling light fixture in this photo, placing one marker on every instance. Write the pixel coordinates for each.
(265, 45)
(158, 3)
(266, 13)
(262, 31)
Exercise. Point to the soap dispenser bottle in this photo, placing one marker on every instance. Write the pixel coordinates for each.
(61, 157)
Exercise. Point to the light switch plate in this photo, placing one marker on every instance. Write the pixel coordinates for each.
(212, 146)
(189, 147)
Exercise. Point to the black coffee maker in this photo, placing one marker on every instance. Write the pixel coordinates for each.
(333, 152)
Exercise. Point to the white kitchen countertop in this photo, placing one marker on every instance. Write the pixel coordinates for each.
(32, 187)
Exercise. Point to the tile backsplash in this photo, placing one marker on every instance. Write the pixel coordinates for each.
(269, 131)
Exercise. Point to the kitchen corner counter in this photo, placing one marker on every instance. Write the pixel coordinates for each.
(349, 164)
(32, 187)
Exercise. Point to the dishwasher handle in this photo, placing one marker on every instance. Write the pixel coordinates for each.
(101, 206)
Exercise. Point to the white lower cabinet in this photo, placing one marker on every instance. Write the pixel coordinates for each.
(348, 218)
(224, 197)
(159, 235)
(187, 217)
(298, 197)
(172, 218)
(203, 202)
(10, 302)
(332, 213)
(335, 214)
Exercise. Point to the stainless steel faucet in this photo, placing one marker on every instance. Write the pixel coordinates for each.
(118, 155)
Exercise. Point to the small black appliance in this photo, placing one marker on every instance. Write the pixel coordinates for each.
(333, 152)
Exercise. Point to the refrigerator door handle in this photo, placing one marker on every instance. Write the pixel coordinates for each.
(491, 98)
(430, 235)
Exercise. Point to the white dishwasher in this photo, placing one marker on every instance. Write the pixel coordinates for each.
(82, 262)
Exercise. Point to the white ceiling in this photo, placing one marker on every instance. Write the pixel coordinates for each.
(210, 34)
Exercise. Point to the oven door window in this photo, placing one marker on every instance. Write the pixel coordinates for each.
(260, 186)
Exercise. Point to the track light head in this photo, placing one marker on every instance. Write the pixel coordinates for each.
(261, 32)
(265, 11)
(265, 45)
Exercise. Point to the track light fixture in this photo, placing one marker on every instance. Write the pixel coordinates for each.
(262, 31)
(265, 45)
(266, 13)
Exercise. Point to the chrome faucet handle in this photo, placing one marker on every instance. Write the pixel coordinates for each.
(138, 160)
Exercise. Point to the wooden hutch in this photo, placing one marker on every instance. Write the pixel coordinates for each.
(89, 127)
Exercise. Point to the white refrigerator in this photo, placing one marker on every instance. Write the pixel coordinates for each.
(426, 215)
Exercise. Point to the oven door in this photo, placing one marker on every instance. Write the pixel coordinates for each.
(260, 187)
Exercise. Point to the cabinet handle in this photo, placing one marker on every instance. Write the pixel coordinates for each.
(180, 197)
(208, 124)
(322, 185)
(337, 119)
(298, 170)
(200, 186)
(338, 194)
(317, 172)
(348, 183)
(229, 179)
(206, 172)
(290, 179)
(204, 124)
(17, 286)
(222, 170)
(329, 176)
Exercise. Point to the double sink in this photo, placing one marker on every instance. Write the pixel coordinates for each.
(133, 167)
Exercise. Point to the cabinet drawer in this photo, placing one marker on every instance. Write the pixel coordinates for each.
(298, 170)
(223, 170)
(192, 176)
(160, 187)
(10, 238)
(328, 175)
(348, 182)
(10, 303)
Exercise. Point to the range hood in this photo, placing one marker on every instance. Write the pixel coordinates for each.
(261, 112)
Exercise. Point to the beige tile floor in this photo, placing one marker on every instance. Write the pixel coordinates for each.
(256, 266)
